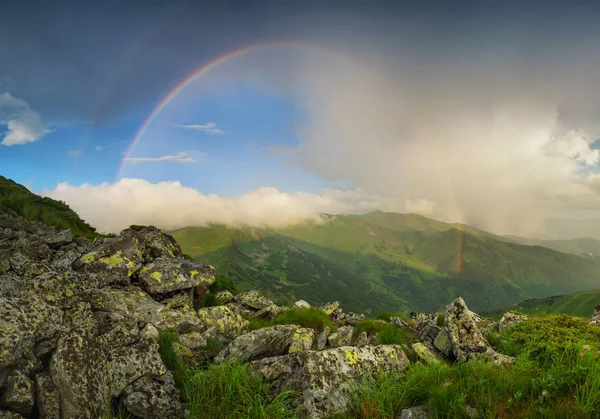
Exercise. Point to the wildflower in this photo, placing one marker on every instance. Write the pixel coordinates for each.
(586, 347)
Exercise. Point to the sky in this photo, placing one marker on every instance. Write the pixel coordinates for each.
(482, 112)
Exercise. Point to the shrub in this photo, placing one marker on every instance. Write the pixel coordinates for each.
(385, 316)
(207, 299)
(387, 334)
(440, 320)
(222, 283)
(311, 318)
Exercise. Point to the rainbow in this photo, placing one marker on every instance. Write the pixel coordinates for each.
(203, 69)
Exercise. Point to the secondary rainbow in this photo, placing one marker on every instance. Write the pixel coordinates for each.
(206, 67)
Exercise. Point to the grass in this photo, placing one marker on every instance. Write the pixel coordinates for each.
(223, 391)
(387, 334)
(556, 374)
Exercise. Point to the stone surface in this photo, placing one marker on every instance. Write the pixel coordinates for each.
(322, 338)
(47, 397)
(362, 340)
(302, 340)
(510, 319)
(153, 397)
(416, 412)
(261, 343)
(424, 354)
(19, 395)
(224, 324)
(225, 296)
(325, 378)
(443, 344)
(301, 304)
(165, 275)
(341, 337)
(329, 308)
(253, 300)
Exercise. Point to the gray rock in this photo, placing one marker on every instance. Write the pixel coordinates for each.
(20, 393)
(253, 300)
(322, 338)
(225, 296)
(225, 324)
(329, 308)
(261, 343)
(342, 337)
(325, 378)
(362, 340)
(47, 397)
(165, 275)
(416, 412)
(443, 344)
(59, 239)
(301, 304)
(153, 397)
(424, 354)
(510, 319)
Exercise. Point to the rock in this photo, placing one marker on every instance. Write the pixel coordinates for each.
(182, 300)
(362, 340)
(397, 321)
(20, 393)
(443, 344)
(483, 324)
(324, 379)
(193, 340)
(342, 337)
(268, 313)
(253, 300)
(302, 340)
(467, 341)
(121, 255)
(322, 338)
(47, 397)
(23, 322)
(227, 325)
(167, 275)
(301, 304)
(5, 414)
(261, 343)
(156, 243)
(59, 239)
(416, 412)
(225, 296)
(510, 319)
(90, 369)
(154, 398)
(329, 308)
(425, 354)
(426, 327)
(472, 412)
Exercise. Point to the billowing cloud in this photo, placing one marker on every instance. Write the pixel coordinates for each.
(209, 128)
(170, 205)
(182, 157)
(23, 123)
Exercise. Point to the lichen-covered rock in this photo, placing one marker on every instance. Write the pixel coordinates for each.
(59, 239)
(156, 243)
(261, 343)
(302, 340)
(120, 255)
(20, 393)
(595, 320)
(329, 308)
(301, 304)
(226, 325)
(253, 300)
(324, 379)
(153, 397)
(182, 300)
(416, 412)
(193, 340)
(7, 414)
(483, 324)
(225, 296)
(510, 319)
(467, 341)
(362, 340)
(268, 313)
(322, 338)
(398, 322)
(348, 319)
(89, 370)
(165, 275)
(443, 344)
(426, 327)
(424, 354)
(341, 337)
(47, 397)
(23, 322)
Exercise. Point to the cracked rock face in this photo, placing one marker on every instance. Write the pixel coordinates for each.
(324, 378)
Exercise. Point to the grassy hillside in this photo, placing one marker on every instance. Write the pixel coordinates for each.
(385, 260)
(577, 246)
(33, 207)
(580, 304)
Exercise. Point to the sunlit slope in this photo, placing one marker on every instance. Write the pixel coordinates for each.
(385, 260)
(577, 246)
(578, 304)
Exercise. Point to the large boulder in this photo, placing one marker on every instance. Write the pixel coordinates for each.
(48, 402)
(221, 323)
(324, 379)
(253, 300)
(424, 354)
(465, 338)
(93, 365)
(510, 319)
(20, 394)
(153, 397)
(341, 337)
(266, 342)
(121, 255)
(595, 320)
(165, 275)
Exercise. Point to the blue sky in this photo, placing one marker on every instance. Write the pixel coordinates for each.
(484, 113)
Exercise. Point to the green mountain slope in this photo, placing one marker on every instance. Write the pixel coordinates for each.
(386, 260)
(19, 199)
(577, 246)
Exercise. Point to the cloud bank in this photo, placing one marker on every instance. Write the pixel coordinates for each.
(23, 123)
(169, 205)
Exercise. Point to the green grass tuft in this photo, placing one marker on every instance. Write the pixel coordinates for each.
(387, 334)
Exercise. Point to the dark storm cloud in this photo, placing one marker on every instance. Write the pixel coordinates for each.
(98, 61)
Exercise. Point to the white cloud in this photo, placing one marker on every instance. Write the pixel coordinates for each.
(74, 153)
(182, 157)
(24, 124)
(98, 148)
(169, 205)
(209, 128)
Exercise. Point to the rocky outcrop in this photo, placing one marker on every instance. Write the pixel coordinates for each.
(164, 275)
(466, 340)
(324, 378)
(341, 337)
(510, 319)
(424, 354)
(221, 323)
